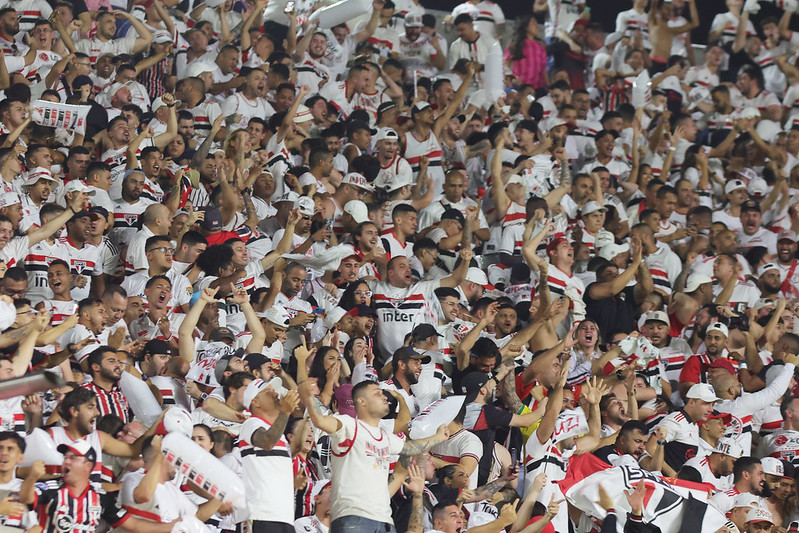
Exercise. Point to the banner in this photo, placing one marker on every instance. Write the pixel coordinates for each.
(674, 506)
(56, 115)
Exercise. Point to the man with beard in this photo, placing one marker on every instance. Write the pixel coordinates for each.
(769, 282)
(454, 198)
(129, 208)
(716, 467)
(91, 322)
(673, 350)
(630, 443)
(787, 263)
(308, 57)
(696, 367)
(158, 258)
(106, 367)
(248, 102)
(614, 414)
(300, 312)
(406, 367)
(79, 412)
(39, 184)
(84, 257)
(753, 233)
(150, 494)
(393, 167)
(155, 221)
(39, 256)
(726, 270)
(779, 487)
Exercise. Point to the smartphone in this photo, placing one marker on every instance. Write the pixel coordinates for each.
(289, 7)
(318, 311)
(329, 224)
(514, 457)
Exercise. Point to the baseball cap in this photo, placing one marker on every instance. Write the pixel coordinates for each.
(476, 275)
(554, 243)
(116, 87)
(399, 181)
(354, 126)
(85, 213)
(750, 205)
(197, 68)
(762, 302)
(333, 316)
(256, 360)
(787, 235)
(424, 331)
(725, 364)
(303, 114)
(213, 219)
(385, 133)
(158, 103)
(157, 346)
(221, 333)
(734, 185)
(765, 268)
(419, 106)
(746, 499)
(38, 173)
(358, 210)
(724, 417)
(514, 178)
(161, 37)
(609, 251)
(553, 122)
(305, 205)
(276, 314)
(98, 210)
(748, 174)
(80, 81)
(704, 392)
(718, 326)
(793, 526)
(730, 447)
(408, 352)
(773, 466)
(694, 281)
(361, 310)
(80, 447)
(472, 383)
(79, 186)
(358, 180)
(289, 196)
(757, 187)
(658, 316)
(413, 20)
(257, 385)
(453, 214)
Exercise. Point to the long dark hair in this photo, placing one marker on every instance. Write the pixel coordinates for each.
(348, 296)
(317, 369)
(516, 46)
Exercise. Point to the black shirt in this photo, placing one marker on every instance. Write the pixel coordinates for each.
(613, 314)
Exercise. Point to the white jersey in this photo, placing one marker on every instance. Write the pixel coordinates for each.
(783, 444)
(94, 48)
(238, 104)
(167, 504)
(126, 218)
(430, 147)
(267, 473)
(84, 262)
(37, 262)
(702, 465)
(360, 464)
(460, 444)
(399, 310)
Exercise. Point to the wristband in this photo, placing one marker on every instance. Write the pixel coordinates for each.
(672, 148)
(661, 442)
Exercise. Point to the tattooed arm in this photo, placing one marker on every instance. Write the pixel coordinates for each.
(267, 438)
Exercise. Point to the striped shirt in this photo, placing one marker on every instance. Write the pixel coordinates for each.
(110, 402)
(60, 510)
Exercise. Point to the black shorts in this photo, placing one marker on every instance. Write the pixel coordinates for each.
(263, 526)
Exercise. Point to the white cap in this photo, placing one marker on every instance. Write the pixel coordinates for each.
(786, 234)
(196, 68)
(718, 326)
(694, 281)
(514, 178)
(592, 207)
(413, 20)
(158, 103)
(758, 514)
(730, 447)
(9, 198)
(609, 251)
(305, 205)
(399, 181)
(603, 238)
(162, 37)
(762, 302)
(79, 186)
(318, 487)
(358, 180)
(277, 315)
(385, 133)
(747, 174)
(746, 499)
(358, 210)
(765, 268)
(773, 466)
(734, 185)
(303, 114)
(553, 122)
(757, 187)
(704, 392)
(333, 316)
(476, 275)
(289, 196)
(37, 174)
(257, 385)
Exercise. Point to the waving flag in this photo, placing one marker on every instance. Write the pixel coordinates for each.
(674, 506)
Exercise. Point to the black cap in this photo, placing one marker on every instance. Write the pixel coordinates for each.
(80, 81)
(79, 447)
(256, 360)
(407, 352)
(453, 214)
(361, 310)
(85, 213)
(472, 384)
(99, 210)
(212, 220)
(750, 205)
(424, 331)
(157, 346)
(358, 125)
(385, 106)
(223, 362)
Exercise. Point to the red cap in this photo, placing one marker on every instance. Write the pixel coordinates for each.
(554, 243)
(724, 417)
(725, 364)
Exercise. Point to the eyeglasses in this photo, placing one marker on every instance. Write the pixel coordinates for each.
(164, 250)
(368, 294)
(28, 312)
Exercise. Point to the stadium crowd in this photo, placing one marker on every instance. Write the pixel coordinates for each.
(378, 295)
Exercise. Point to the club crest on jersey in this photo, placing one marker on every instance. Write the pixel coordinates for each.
(131, 218)
(780, 440)
(79, 265)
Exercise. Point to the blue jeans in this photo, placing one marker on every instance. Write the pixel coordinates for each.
(359, 524)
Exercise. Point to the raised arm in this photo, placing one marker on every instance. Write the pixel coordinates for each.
(308, 390)
(459, 274)
(186, 330)
(145, 35)
(267, 438)
(289, 118)
(75, 203)
(449, 112)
